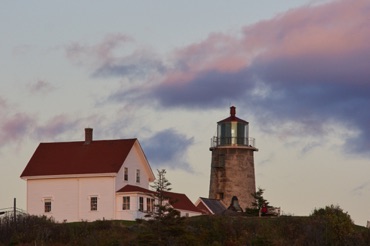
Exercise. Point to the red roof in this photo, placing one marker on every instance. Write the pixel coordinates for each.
(103, 156)
(181, 201)
(133, 188)
(177, 200)
(233, 117)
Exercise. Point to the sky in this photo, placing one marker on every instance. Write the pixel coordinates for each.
(166, 72)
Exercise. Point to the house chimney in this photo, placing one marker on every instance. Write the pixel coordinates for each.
(88, 135)
(232, 111)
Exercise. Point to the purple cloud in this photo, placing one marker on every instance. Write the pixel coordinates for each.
(56, 126)
(309, 66)
(13, 128)
(167, 149)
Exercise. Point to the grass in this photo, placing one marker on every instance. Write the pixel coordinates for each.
(200, 230)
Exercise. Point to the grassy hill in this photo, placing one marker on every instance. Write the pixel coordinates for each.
(203, 230)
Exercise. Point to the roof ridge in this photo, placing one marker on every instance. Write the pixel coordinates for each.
(83, 141)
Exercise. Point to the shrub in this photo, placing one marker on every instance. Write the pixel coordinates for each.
(336, 224)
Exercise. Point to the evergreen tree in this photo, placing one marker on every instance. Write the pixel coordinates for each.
(258, 199)
(161, 186)
(165, 226)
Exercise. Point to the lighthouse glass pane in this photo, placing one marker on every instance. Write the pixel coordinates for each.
(241, 134)
(234, 132)
(225, 136)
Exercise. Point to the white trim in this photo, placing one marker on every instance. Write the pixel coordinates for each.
(201, 201)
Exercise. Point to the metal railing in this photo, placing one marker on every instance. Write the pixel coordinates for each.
(233, 141)
(11, 211)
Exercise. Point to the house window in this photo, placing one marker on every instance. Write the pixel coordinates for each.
(93, 203)
(149, 204)
(126, 203)
(141, 203)
(137, 176)
(125, 174)
(47, 205)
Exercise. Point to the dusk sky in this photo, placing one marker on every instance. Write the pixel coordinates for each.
(166, 71)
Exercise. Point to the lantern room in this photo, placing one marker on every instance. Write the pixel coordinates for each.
(232, 131)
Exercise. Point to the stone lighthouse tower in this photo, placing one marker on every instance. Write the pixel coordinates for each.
(232, 165)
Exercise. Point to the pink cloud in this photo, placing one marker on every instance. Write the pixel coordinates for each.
(336, 29)
(308, 66)
(3, 104)
(332, 29)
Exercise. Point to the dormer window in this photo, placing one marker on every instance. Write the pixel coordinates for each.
(137, 176)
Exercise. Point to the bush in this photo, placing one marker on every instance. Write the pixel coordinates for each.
(336, 224)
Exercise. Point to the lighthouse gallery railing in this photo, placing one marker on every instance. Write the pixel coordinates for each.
(233, 141)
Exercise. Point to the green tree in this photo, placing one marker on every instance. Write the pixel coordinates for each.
(165, 226)
(161, 186)
(258, 199)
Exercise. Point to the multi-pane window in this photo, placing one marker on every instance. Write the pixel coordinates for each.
(137, 176)
(47, 205)
(141, 203)
(149, 204)
(126, 203)
(93, 203)
(125, 174)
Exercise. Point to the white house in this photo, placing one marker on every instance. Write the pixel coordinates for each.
(89, 180)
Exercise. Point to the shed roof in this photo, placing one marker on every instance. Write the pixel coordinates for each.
(213, 205)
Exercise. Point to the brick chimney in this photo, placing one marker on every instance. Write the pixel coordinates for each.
(232, 111)
(88, 135)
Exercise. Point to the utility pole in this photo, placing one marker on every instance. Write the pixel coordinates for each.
(15, 213)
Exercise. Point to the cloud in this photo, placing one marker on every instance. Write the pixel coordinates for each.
(136, 65)
(360, 189)
(14, 127)
(167, 149)
(307, 67)
(99, 53)
(56, 126)
(40, 87)
(113, 57)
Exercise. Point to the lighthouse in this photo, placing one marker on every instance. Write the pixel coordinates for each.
(232, 164)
